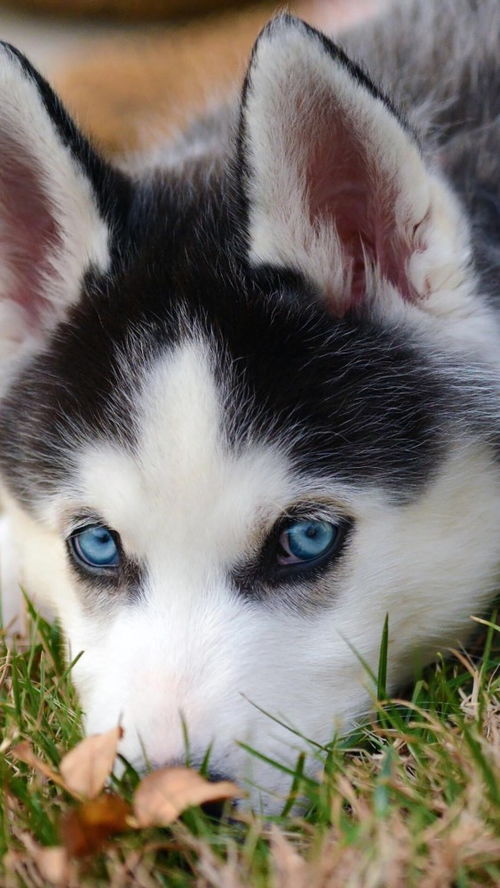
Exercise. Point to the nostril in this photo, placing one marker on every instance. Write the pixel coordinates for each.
(217, 777)
(214, 809)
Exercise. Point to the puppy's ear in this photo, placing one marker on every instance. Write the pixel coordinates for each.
(334, 181)
(58, 203)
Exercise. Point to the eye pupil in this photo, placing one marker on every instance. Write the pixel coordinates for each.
(95, 546)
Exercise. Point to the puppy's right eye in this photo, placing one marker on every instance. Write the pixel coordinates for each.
(96, 547)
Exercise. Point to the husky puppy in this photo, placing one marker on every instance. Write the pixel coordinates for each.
(251, 392)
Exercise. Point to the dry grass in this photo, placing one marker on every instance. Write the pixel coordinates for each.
(412, 800)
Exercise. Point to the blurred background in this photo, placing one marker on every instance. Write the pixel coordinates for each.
(132, 71)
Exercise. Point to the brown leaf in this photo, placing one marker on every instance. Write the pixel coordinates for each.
(163, 795)
(23, 752)
(87, 767)
(84, 829)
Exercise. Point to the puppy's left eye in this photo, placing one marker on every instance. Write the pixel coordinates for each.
(95, 546)
(307, 542)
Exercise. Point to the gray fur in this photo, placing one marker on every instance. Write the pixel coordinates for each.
(436, 58)
(439, 60)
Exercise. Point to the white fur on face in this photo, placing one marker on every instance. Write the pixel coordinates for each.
(192, 647)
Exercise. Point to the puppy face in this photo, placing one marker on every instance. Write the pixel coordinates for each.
(231, 437)
(204, 619)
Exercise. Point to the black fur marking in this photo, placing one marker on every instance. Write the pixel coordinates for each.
(368, 406)
(259, 576)
(103, 592)
(102, 587)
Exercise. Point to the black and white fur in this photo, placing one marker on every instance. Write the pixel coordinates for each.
(294, 307)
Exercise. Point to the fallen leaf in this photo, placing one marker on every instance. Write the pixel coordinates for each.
(163, 795)
(87, 767)
(84, 829)
(23, 752)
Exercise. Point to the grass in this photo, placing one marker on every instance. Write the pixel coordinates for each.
(411, 800)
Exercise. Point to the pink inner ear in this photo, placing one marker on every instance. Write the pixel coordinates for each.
(346, 188)
(28, 231)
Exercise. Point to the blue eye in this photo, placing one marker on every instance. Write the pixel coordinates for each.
(95, 546)
(304, 542)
